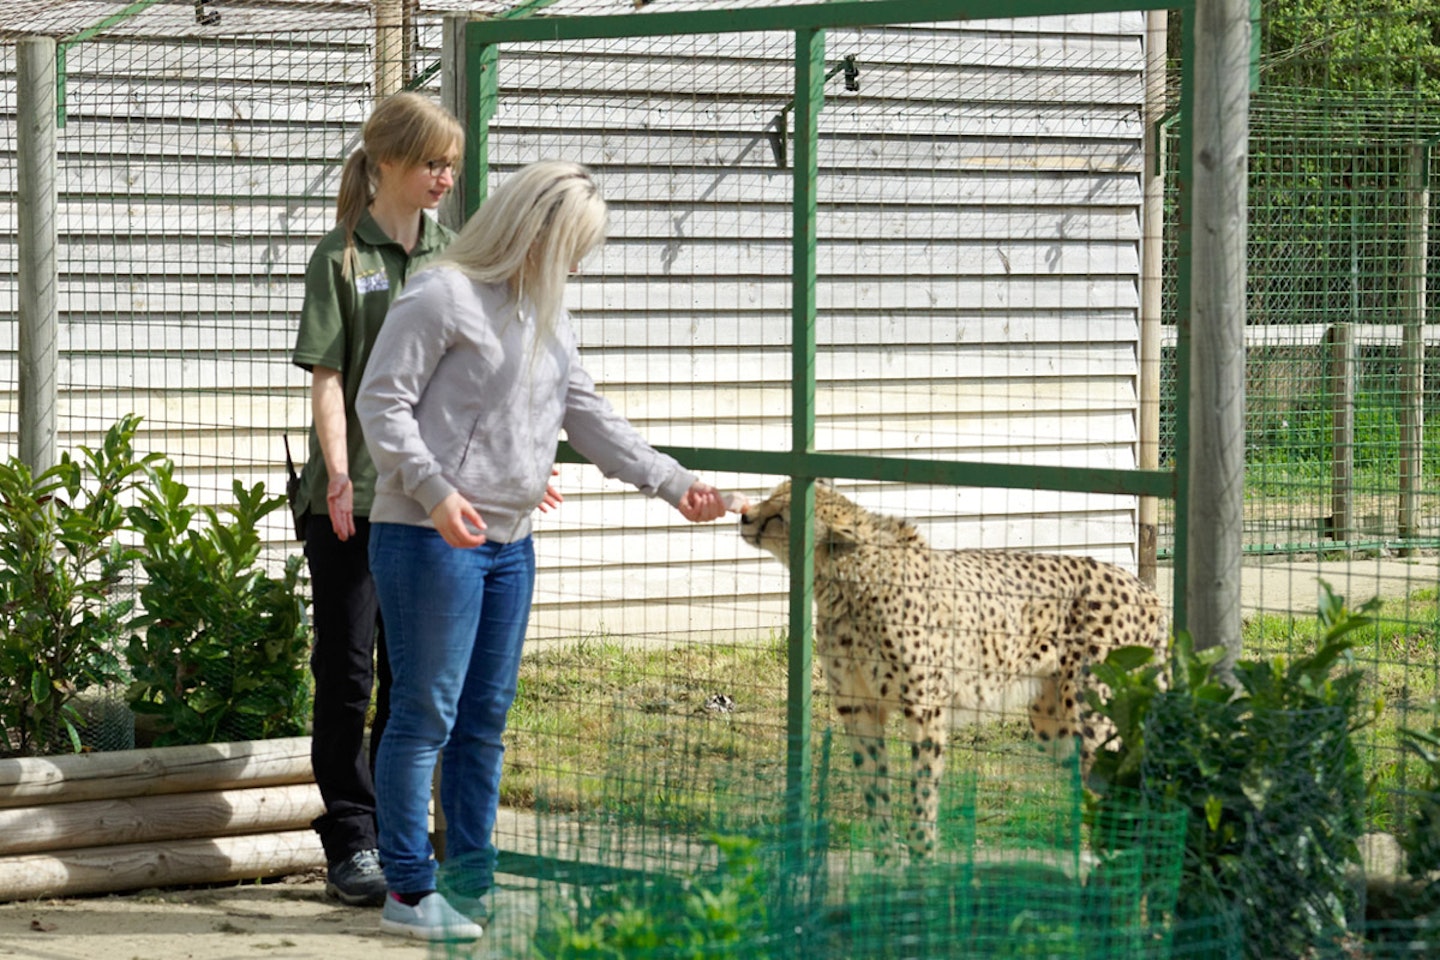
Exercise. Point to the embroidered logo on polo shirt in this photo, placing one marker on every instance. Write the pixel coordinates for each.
(372, 281)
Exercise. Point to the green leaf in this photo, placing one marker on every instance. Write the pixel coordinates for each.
(1257, 783)
(39, 686)
(1129, 658)
(74, 736)
(1213, 809)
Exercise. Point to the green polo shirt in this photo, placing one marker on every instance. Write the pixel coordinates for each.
(338, 324)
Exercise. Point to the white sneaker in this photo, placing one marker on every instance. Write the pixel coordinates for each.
(472, 907)
(431, 919)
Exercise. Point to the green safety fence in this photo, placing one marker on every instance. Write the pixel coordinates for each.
(656, 868)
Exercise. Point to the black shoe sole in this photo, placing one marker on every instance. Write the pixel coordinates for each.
(354, 899)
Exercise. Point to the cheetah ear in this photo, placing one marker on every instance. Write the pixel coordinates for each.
(843, 534)
(827, 482)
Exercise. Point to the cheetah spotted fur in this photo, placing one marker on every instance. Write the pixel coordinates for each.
(946, 637)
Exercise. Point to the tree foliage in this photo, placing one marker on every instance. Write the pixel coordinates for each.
(1355, 47)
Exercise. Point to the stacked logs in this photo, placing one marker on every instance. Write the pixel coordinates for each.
(106, 822)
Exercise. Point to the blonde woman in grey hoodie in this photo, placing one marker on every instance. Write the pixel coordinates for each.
(470, 382)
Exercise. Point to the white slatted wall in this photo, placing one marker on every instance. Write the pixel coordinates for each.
(977, 297)
(978, 214)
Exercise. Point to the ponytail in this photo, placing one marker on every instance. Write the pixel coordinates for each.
(356, 192)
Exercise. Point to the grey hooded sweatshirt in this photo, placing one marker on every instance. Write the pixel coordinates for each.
(457, 396)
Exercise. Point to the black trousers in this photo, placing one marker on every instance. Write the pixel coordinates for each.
(347, 659)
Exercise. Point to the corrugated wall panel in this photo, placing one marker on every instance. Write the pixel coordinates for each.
(978, 215)
(978, 259)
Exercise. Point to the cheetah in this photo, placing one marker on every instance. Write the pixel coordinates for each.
(947, 637)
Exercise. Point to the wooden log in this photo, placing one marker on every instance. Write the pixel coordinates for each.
(1214, 462)
(30, 781)
(135, 866)
(186, 816)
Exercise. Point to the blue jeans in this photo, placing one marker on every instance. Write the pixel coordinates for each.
(454, 625)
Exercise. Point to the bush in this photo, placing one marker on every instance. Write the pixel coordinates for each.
(220, 651)
(61, 560)
(1268, 768)
(709, 916)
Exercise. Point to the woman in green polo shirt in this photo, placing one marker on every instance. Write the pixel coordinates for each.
(405, 166)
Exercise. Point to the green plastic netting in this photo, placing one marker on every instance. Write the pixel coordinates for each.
(1024, 869)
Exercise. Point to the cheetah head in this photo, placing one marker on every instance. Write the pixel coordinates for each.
(841, 525)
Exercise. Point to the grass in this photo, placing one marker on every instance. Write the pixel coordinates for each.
(602, 724)
(600, 708)
(602, 720)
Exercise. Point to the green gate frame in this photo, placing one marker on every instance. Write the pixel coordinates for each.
(482, 39)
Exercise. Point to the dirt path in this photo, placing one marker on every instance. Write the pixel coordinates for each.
(288, 918)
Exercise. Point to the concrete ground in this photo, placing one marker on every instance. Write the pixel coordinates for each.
(1281, 584)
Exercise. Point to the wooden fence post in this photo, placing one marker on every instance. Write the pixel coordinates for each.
(1340, 384)
(1412, 354)
(1151, 283)
(453, 91)
(1217, 303)
(39, 322)
(389, 47)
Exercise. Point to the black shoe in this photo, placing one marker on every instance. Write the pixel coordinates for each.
(357, 881)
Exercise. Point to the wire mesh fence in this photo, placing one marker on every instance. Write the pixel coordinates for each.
(663, 867)
(977, 293)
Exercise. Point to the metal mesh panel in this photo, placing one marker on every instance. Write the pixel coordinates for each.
(197, 174)
(977, 214)
(1341, 483)
(659, 865)
(978, 241)
(976, 297)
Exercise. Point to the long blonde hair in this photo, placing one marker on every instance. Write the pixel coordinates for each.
(544, 219)
(406, 129)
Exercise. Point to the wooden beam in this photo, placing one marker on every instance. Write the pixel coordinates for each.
(1152, 279)
(1216, 460)
(38, 357)
(134, 866)
(184, 816)
(1412, 365)
(28, 781)
(389, 47)
(1340, 385)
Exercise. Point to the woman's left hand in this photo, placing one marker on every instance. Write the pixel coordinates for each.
(553, 498)
(702, 502)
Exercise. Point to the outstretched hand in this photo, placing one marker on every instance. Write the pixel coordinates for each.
(454, 518)
(701, 503)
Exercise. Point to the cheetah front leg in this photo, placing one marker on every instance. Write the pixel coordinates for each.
(864, 721)
(1053, 716)
(928, 729)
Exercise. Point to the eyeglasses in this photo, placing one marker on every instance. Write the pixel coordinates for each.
(439, 167)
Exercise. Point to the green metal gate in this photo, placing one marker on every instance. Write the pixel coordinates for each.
(485, 44)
